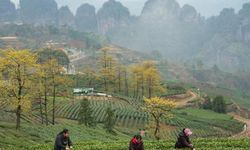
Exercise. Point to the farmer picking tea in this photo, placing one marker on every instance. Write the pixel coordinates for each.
(183, 140)
(63, 141)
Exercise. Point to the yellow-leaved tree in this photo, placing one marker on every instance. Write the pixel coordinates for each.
(54, 71)
(107, 68)
(90, 76)
(122, 79)
(53, 77)
(159, 108)
(137, 74)
(38, 93)
(152, 78)
(146, 77)
(17, 69)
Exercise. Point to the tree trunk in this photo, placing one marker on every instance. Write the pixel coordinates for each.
(137, 87)
(134, 91)
(41, 107)
(157, 129)
(54, 101)
(19, 98)
(150, 92)
(126, 84)
(77, 80)
(46, 109)
(142, 85)
(105, 85)
(90, 83)
(45, 103)
(119, 81)
(18, 117)
(150, 88)
(105, 68)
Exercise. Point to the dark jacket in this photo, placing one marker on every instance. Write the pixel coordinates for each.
(133, 145)
(183, 141)
(61, 142)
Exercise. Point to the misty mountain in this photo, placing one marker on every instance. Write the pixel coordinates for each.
(228, 44)
(166, 27)
(112, 15)
(85, 18)
(178, 33)
(40, 12)
(7, 11)
(65, 17)
(181, 34)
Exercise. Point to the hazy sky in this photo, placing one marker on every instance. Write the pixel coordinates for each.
(205, 7)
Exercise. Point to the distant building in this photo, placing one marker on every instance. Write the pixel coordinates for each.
(83, 91)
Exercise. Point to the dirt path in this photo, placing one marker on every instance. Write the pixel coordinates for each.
(184, 102)
(246, 128)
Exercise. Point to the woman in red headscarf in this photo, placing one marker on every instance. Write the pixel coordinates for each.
(183, 140)
(136, 143)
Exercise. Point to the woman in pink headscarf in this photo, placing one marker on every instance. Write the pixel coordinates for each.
(183, 140)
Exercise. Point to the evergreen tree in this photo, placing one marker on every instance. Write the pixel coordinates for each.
(85, 114)
(219, 104)
(207, 103)
(110, 120)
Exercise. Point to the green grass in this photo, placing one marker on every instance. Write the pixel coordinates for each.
(242, 99)
(204, 123)
(229, 95)
(130, 119)
(29, 134)
(201, 144)
(205, 114)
